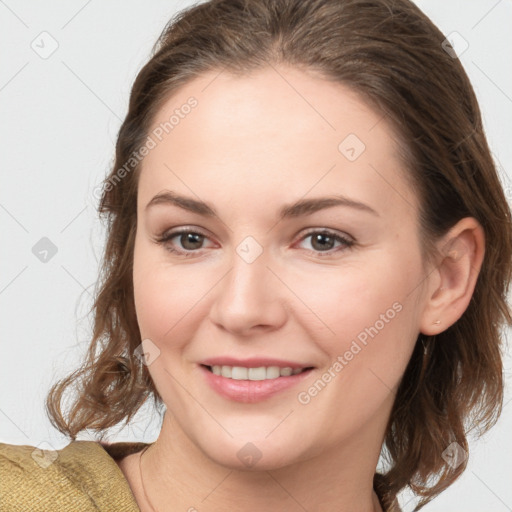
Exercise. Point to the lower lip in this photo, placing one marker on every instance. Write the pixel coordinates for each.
(251, 391)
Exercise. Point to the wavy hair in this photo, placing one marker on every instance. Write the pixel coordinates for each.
(398, 61)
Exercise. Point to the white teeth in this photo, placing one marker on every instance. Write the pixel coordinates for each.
(260, 373)
(239, 373)
(257, 373)
(272, 372)
(226, 371)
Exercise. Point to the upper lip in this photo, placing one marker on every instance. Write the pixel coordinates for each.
(253, 362)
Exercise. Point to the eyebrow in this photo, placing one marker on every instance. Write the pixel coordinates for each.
(301, 207)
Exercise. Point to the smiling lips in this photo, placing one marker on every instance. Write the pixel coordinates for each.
(252, 380)
(255, 368)
(259, 373)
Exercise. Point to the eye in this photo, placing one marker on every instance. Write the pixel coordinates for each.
(324, 241)
(189, 240)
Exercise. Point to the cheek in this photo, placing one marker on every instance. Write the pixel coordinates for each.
(355, 296)
(156, 305)
(365, 313)
(374, 319)
(167, 299)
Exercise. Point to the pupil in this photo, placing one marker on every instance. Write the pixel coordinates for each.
(318, 239)
(191, 238)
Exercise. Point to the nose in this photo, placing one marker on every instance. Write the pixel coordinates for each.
(250, 299)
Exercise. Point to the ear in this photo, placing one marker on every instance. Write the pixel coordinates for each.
(452, 282)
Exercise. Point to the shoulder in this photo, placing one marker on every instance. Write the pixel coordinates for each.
(81, 476)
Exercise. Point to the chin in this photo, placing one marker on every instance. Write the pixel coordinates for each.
(259, 454)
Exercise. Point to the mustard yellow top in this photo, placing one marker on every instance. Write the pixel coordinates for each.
(83, 476)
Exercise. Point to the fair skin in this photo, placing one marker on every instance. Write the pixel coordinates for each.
(252, 145)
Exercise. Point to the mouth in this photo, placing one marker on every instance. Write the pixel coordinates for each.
(254, 373)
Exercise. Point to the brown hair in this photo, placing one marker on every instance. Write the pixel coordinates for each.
(392, 54)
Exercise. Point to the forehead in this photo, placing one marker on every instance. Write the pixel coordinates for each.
(275, 131)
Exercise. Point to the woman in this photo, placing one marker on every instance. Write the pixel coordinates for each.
(358, 314)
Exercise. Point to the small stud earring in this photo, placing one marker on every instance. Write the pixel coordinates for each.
(437, 322)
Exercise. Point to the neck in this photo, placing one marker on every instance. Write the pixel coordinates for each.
(177, 475)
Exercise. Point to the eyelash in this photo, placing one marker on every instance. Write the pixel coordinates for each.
(167, 237)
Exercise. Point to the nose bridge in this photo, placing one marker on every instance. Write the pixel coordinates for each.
(249, 277)
(249, 295)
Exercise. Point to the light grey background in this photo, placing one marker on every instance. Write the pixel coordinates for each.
(60, 114)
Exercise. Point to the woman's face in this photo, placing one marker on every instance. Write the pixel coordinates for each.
(303, 252)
